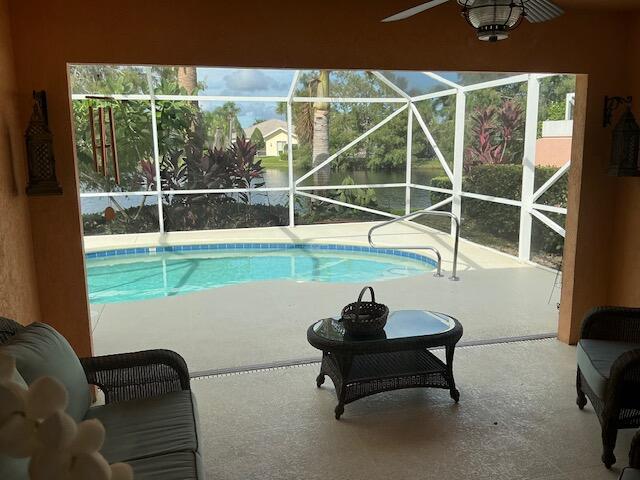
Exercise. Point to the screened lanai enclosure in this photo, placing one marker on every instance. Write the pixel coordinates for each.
(165, 149)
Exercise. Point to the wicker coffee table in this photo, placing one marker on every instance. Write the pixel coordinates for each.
(397, 358)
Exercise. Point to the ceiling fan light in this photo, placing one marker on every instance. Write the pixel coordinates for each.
(493, 19)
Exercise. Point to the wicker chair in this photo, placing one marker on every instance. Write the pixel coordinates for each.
(632, 472)
(609, 371)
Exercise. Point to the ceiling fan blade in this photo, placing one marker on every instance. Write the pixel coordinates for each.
(541, 10)
(414, 11)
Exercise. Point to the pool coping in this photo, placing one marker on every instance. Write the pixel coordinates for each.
(119, 252)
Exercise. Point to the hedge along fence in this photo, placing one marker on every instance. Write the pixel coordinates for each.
(482, 220)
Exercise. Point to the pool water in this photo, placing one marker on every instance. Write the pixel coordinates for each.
(123, 278)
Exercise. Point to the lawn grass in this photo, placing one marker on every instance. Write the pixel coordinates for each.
(431, 165)
(273, 162)
(277, 162)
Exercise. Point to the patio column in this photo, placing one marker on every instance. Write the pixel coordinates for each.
(156, 150)
(407, 199)
(529, 167)
(291, 181)
(458, 156)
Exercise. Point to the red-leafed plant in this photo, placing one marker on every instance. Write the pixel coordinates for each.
(232, 168)
(492, 131)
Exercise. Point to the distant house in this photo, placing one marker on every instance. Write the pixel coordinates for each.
(554, 148)
(274, 132)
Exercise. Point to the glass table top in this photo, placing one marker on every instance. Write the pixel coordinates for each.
(400, 324)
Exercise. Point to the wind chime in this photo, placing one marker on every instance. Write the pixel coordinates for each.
(103, 138)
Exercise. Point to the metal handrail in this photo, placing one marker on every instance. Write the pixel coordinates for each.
(421, 213)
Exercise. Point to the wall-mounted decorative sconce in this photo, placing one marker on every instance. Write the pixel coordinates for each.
(625, 150)
(39, 140)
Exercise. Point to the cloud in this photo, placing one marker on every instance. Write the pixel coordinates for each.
(249, 113)
(249, 81)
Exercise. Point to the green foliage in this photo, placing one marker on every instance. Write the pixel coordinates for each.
(439, 116)
(257, 139)
(310, 212)
(224, 121)
(363, 198)
(553, 97)
(440, 182)
(386, 148)
(484, 220)
(556, 111)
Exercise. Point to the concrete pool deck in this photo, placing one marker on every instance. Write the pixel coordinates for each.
(264, 322)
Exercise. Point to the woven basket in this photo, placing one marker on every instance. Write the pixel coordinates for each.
(365, 318)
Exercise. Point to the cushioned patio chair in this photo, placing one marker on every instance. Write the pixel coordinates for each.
(149, 411)
(608, 357)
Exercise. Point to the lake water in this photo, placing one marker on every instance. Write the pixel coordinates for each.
(389, 199)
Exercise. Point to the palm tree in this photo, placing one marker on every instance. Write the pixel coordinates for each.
(320, 149)
(312, 123)
(188, 80)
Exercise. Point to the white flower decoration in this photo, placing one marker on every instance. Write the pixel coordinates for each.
(33, 424)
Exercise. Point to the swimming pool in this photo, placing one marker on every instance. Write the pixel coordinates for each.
(143, 273)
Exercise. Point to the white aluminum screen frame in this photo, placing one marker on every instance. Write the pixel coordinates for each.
(528, 205)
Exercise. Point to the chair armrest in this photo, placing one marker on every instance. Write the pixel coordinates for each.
(145, 374)
(634, 453)
(612, 323)
(624, 383)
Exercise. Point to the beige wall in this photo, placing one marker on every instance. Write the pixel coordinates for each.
(48, 34)
(624, 285)
(271, 143)
(18, 292)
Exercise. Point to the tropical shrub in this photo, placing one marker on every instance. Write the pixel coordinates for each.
(482, 219)
(310, 212)
(492, 131)
(232, 168)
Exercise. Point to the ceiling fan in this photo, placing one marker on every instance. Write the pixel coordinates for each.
(492, 19)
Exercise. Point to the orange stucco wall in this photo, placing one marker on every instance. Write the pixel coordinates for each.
(553, 151)
(48, 34)
(624, 281)
(18, 291)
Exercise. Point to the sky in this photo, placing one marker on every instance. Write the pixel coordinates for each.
(276, 82)
(247, 82)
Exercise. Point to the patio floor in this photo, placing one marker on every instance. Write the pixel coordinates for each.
(517, 419)
(264, 322)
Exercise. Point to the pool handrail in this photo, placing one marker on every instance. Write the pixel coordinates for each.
(414, 215)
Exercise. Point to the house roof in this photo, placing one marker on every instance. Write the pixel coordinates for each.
(267, 127)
